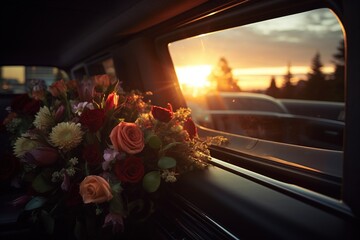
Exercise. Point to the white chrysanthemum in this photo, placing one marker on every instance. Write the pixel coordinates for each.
(56, 177)
(144, 120)
(70, 171)
(44, 119)
(23, 145)
(13, 125)
(66, 135)
(73, 161)
(169, 176)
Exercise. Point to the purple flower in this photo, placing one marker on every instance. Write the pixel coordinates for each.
(109, 155)
(86, 89)
(42, 156)
(116, 220)
(21, 201)
(59, 114)
(65, 185)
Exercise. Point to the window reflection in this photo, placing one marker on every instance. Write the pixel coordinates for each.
(280, 80)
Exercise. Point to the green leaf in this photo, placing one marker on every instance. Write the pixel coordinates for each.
(48, 221)
(151, 181)
(147, 135)
(155, 142)
(170, 145)
(98, 136)
(116, 187)
(166, 162)
(116, 205)
(41, 185)
(34, 203)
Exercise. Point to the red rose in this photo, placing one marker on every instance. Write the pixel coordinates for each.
(129, 170)
(19, 102)
(93, 119)
(23, 103)
(32, 107)
(91, 154)
(162, 114)
(190, 127)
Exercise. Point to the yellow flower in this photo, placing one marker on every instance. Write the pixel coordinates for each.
(66, 135)
(43, 119)
(23, 145)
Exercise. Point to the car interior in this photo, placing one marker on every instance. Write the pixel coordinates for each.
(284, 175)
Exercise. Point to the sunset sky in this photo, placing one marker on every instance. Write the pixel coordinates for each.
(258, 51)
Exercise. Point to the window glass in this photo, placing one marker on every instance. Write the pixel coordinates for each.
(280, 80)
(16, 79)
(102, 67)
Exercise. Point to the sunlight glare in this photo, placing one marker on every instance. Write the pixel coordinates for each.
(193, 79)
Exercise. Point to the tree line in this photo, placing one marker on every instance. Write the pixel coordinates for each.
(317, 85)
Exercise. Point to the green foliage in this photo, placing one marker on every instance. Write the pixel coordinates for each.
(41, 184)
(35, 203)
(154, 142)
(166, 162)
(151, 181)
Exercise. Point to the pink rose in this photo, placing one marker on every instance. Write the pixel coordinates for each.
(127, 137)
(95, 189)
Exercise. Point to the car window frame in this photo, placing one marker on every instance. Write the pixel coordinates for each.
(237, 17)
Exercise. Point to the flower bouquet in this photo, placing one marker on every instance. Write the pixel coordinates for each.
(92, 155)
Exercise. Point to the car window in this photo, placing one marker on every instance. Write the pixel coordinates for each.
(97, 67)
(279, 80)
(17, 79)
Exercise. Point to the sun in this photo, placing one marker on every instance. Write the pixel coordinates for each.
(193, 79)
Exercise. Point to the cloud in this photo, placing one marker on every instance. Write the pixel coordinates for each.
(295, 38)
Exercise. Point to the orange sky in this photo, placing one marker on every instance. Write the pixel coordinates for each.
(249, 79)
(258, 51)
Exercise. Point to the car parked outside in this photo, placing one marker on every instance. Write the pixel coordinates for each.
(261, 116)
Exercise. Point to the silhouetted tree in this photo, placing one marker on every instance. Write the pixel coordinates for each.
(287, 90)
(316, 87)
(222, 76)
(273, 90)
(338, 78)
